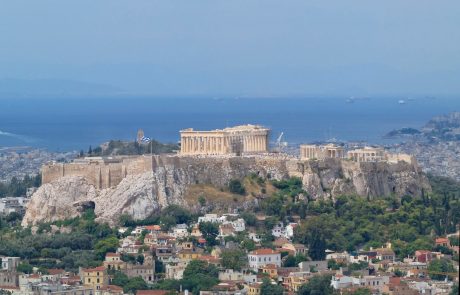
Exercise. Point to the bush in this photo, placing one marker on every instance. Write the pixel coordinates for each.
(236, 187)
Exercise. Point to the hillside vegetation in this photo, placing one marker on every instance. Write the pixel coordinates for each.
(118, 147)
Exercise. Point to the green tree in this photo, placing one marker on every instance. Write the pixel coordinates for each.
(362, 291)
(140, 259)
(267, 288)
(25, 268)
(236, 187)
(289, 261)
(180, 214)
(210, 231)
(202, 200)
(134, 284)
(249, 218)
(199, 275)
(120, 279)
(233, 259)
(106, 245)
(317, 285)
(440, 265)
(248, 245)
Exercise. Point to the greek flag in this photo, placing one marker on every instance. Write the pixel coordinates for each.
(145, 139)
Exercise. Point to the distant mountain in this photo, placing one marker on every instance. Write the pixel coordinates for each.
(54, 88)
(406, 131)
(446, 127)
(440, 128)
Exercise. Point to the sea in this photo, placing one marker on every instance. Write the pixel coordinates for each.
(71, 124)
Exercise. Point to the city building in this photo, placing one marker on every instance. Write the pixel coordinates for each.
(261, 257)
(95, 277)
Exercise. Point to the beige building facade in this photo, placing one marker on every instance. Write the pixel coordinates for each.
(320, 152)
(233, 140)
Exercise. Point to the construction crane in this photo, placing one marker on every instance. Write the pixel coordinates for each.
(280, 144)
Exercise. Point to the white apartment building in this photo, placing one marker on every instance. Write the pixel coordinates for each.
(262, 257)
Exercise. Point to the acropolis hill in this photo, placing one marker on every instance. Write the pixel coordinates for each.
(139, 185)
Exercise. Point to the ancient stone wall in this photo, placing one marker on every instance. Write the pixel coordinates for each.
(99, 173)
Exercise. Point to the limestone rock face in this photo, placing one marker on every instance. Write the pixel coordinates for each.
(142, 194)
(58, 200)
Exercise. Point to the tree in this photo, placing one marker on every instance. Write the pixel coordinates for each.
(120, 279)
(317, 285)
(267, 288)
(140, 259)
(210, 231)
(399, 273)
(233, 259)
(134, 284)
(235, 186)
(129, 284)
(202, 200)
(200, 267)
(25, 268)
(180, 214)
(199, 275)
(248, 245)
(249, 218)
(290, 261)
(319, 233)
(440, 265)
(362, 291)
(103, 246)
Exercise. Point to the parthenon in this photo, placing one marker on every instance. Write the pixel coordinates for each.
(232, 140)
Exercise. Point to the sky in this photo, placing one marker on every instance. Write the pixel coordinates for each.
(237, 47)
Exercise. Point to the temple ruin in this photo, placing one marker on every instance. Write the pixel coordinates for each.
(320, 152)
(244, 139)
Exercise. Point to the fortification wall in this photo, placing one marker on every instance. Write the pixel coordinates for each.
(320, 178)
(101, 175)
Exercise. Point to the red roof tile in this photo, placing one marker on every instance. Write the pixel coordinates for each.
(99, 268)
(152, 292)
(264, 252)
(55, 271)
(112, 254)
(113, 288)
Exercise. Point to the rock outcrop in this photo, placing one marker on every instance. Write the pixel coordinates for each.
(142, 194)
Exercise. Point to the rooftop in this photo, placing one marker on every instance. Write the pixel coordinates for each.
(264, 252)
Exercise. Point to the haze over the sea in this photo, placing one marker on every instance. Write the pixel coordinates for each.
(70, 72)
(74, 124)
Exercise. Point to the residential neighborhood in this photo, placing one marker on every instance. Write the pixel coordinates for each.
(152, 254)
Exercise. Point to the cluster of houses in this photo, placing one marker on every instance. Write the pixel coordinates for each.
(10, 205)
(175, 248)
(381, 266)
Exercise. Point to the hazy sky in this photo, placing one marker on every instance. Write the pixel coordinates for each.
(237, 47)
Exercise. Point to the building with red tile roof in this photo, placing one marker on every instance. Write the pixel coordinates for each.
(262, 257)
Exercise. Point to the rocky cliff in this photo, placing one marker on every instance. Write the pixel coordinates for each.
(142, 194)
